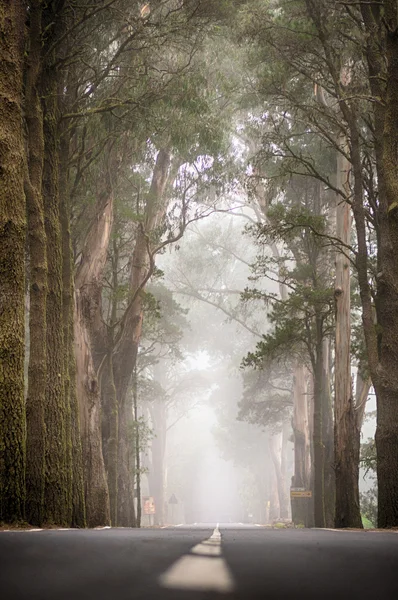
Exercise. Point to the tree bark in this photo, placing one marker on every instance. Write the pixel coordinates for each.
(12, 263)
(302, 457)
(88, 325)
(126, 349)
(328, 438)
(318, 429)
(56, 496)
(74, 446)
(386, 380)
(37, 371)
(346, 433)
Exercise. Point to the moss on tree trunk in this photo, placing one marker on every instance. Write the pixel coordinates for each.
(76, 504)
(12, 264)
(56, 488)
(35, 403)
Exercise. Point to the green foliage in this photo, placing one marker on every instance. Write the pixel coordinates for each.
(367, 524)
(368, 501)
(368, 458)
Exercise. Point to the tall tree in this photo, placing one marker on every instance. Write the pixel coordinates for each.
(12, 258)
(37, 371)
(346, 423)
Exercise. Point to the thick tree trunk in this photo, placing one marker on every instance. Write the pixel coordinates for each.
(88, 325)
(36, 398)
(110, 408)
(95, 485)
(74, 446)
(346, 434)
(386, 379)
(12, 263)
(57, 494)
(126, 350)
(110, 419)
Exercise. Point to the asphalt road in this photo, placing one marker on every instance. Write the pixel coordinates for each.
(202, 562)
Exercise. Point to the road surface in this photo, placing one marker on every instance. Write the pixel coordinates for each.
(202, 562)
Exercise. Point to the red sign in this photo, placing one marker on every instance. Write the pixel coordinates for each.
(149, 505)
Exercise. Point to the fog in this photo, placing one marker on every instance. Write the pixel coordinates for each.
(217, 464)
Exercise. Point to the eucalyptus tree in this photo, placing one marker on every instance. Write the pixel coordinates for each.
(171, 92)
(351, 57)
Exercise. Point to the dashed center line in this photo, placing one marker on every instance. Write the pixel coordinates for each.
(203, 569)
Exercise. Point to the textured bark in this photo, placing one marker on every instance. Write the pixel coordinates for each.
(37, 371)
(109, 401)
(77, 513)
(125, 355)
(12, 260)
(110, 418)
(56, 485)
(346, 433)
(382, 346)
(386, 380)
(88, 286)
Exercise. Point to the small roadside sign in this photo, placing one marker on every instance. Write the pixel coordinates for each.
(173, 499)
(300, 493)
(148, 503)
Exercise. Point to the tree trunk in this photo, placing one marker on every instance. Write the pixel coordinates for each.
(125, 355)
(274, 510)
(74, 446)
(156, 477)
(88, 325)
(318, 444)
(110, 417)
(302, 458)
(36, 398)
(56, 496)
(328, 438)
(137, 464)
(386, 379)
(12, 263)
(346, 434)
(110, 409)
(276, 450)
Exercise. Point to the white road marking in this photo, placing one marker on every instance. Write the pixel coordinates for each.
(199, 573)
(207, 549)
(216, 535)
(204, 569)
(18, 530)
(180, 525)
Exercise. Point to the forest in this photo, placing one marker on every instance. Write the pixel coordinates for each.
(198, 257)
